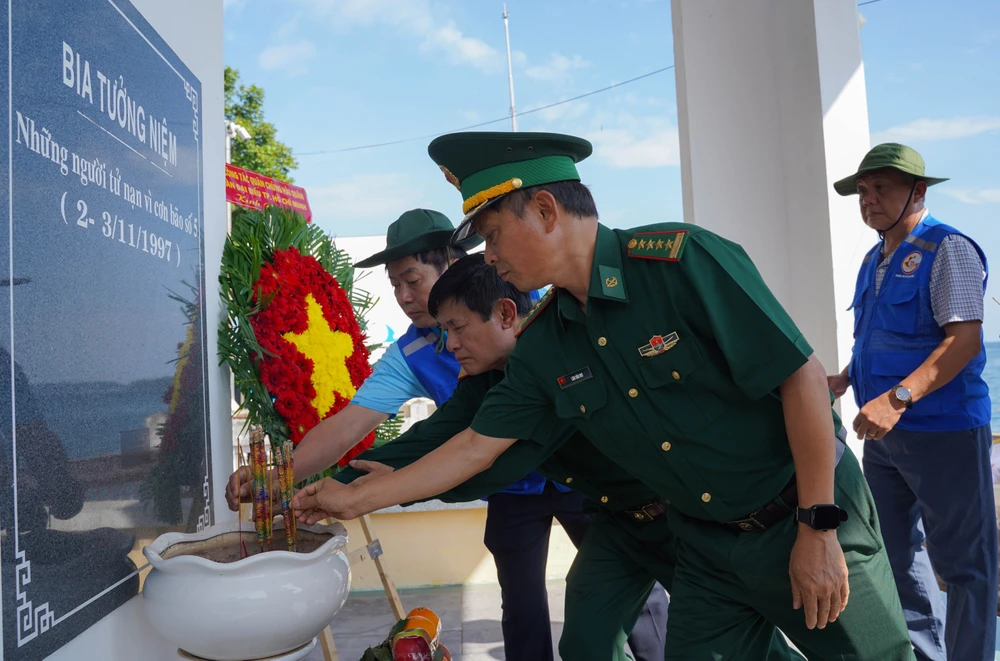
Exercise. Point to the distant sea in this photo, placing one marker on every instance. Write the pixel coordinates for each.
(992, 376)
(89, 417)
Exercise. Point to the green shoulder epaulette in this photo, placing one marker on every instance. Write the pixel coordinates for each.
(539, 306)
(664, 246)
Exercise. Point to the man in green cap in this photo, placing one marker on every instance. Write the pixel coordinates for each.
(519, 518)
(916, 371)
(663, 346)
(629, 544)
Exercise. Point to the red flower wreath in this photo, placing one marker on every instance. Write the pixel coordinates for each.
(319, 357)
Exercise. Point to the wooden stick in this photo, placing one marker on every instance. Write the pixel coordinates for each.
(387, 584)
(329, 647)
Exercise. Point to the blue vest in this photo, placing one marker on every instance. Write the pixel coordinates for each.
(435, 367)
(895, 332)
(437, 371)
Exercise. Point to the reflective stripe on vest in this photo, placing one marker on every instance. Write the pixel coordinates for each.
(437, 371)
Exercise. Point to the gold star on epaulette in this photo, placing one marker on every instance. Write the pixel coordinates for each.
(664, 246)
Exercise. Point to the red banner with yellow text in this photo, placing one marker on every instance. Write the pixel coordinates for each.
(256, 191)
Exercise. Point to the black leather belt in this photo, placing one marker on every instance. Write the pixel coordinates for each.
(770, 514)
(784, 504)
(651, 511)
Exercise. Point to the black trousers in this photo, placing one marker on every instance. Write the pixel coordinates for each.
(517, 534)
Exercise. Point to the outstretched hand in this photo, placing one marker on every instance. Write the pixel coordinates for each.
(324, 499)
(372, 468)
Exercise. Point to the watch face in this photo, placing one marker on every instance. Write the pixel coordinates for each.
(826, 517)
(903, 394)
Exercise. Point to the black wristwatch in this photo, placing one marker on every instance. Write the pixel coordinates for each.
(821, 517)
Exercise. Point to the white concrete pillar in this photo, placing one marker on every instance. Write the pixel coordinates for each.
(772, 110)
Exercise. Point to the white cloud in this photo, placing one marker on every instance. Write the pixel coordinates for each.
(637, 142)
(983, 41)
(415, 18)
(985, 196)
(289, 57)
(461, 49)
(557, 67)
(288, 29)
(926, 130)
(564, 112)
(363, 197)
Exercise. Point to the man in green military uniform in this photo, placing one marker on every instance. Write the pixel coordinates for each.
(628, 545)
(663, 346)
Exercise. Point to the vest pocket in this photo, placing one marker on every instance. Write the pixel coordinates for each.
(897, 307)
(888, 369)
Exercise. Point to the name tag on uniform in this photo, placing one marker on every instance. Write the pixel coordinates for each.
(574, 378)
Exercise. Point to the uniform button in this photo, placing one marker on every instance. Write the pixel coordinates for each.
(633, 393)
(583, 409)
(602, 341)
(665, 446)
(569, 480)
(705, 497)
(638, 516)
(676, 375)
(604, 499)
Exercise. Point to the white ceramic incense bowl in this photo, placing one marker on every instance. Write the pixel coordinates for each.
(263, 605)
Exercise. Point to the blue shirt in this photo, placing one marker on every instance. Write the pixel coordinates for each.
(391, 384)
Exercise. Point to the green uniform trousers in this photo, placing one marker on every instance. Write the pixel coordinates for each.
(731, 589)
(609, 582)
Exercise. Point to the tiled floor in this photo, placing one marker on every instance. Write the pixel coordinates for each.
(470, 620)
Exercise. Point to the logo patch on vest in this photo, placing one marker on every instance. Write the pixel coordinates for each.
(912, 261)
(574, 378)
(658, 344)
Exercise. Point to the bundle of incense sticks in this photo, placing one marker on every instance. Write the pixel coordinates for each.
(261, 487)
(286, 480)
(240, 465)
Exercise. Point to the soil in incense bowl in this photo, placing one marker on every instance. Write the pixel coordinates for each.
(225, 548)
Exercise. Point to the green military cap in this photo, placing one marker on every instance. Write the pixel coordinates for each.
(485, 166)
(415, 231)
(888, 155)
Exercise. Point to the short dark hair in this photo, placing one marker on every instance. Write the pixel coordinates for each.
(574, 197)
(476, 285)
(439, 258)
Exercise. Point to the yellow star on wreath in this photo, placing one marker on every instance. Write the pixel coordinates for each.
(329, 351)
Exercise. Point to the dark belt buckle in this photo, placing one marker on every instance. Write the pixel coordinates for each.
(642, 514)
(749, 524)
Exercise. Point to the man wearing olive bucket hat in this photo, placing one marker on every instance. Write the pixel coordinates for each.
(916, 371)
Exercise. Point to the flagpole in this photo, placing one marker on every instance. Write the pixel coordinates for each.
(510, 73)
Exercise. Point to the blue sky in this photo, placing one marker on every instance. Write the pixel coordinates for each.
(345, 73)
